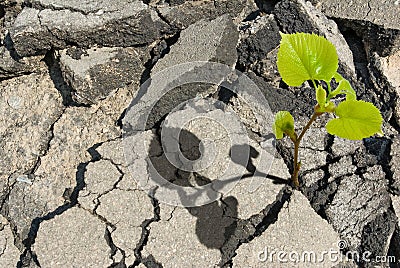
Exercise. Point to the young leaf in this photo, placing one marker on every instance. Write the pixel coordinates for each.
(357, 120)
(344, 87)
(304, 56)
(284, 124)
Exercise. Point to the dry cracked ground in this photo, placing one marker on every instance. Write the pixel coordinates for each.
(68, 196)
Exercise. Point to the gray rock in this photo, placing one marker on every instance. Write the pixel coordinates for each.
(187, 13)
(126, 210)
(341, 168)
(312, 159)
(376, 21)
(62, 166)
(385, 73)
(71, 239)
(258, 38)
(297, 230)
(9, 67)
(100, 177)
(358, 202)
(85, 24)
(342, 147)
(100, 72)
(301, 16)
(195, 233)
(29, 105)
(396, 206)
(394, 166)
(203, 41)
(9, 256)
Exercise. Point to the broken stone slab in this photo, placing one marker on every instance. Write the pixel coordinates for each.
(9, 67)
(376, 21)
(126, 211)
(177, 74)
(100, 177)
(258, 38)
(196, 232)
(96, 73)
(254, 193)
(181, 15)
(342, 147)
(61, 170)
(59, 243)
(302, 16)
(395, 159)
(297, 231)
(113, 151)
(206, 40)
(29, 105)
(59, 24)
(9, 256)
(343, 167)
(396, 206)
(385, 73)
(358, 203)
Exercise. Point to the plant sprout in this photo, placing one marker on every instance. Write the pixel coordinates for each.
(308, 57)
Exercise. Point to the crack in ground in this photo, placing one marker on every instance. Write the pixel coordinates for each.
(369, 10)
(146, 231)
(253, 227)
(28, 255)
(158, 52)
(114, 249)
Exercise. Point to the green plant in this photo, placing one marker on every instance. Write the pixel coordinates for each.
(308, 57)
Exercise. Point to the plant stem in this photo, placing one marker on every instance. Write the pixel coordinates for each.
(296, 163)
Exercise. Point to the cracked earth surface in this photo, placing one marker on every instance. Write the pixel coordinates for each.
(74, 73)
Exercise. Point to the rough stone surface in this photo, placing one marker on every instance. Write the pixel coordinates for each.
(10, 67)
(100, 178)
(395, 155)
(205, 40)
(58, 24)
(261, 35)
(76, 175)
(99, 72)
(189, 12)
(377, 21)
(9, 255)
(353, 193)
(197, 233)
(396, 205)
(122, 209)
(388, 68)
(29, 106)
(298, 229)
(58, 244)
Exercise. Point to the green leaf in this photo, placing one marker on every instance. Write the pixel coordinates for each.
(357, 120)
(344, 87)
(284, 124)
(304, 56)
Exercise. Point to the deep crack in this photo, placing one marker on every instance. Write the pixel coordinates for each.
(28, 255)
(146, 231)
(255, 226)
